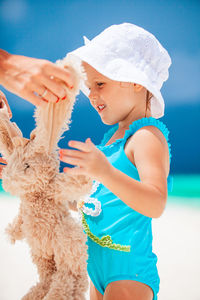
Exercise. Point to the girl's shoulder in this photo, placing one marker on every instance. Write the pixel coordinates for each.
(149, 141)
(150, 132)
(146, 122)
(145, 127)
(150, 123)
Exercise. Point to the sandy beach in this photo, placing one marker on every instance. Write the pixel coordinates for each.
(176, 243)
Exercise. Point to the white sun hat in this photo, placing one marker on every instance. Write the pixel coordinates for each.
(128, 53)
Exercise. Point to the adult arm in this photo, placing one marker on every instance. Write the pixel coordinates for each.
(29, 77)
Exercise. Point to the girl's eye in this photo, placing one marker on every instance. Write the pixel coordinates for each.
(99, 83)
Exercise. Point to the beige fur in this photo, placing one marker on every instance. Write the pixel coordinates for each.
(57, 242)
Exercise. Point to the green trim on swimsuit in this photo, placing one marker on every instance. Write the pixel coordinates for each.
(105, 241)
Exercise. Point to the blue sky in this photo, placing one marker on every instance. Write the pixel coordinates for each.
(58, 26)
(50, 29)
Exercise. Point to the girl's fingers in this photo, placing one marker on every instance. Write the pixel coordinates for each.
(81, 146)
(3, 160)
(72, 161)
(1, 169)
(74, 171)
(74, 153)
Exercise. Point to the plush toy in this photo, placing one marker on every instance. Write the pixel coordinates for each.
(57, 241)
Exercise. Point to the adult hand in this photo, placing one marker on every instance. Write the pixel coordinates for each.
(35, 80)
(89, 159)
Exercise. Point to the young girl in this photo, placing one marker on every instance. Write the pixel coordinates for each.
(125, 67)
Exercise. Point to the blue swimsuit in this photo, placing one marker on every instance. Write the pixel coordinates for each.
(119, 238)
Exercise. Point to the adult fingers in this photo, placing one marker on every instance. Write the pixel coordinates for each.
(42, 92)
(34, 99)
(54, 86)
(63, 74)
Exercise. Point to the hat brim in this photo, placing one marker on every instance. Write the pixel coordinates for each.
(118, 70)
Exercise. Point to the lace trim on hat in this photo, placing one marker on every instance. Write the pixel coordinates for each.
(104, 241)
(132, 129)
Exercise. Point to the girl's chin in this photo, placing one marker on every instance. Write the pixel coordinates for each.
(107, 122)
(105, 119)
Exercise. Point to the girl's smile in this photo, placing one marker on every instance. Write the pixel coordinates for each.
(116, 102)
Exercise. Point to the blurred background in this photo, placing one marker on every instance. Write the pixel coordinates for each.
(50, 29)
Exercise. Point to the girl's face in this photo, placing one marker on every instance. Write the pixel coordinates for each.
(121, 100)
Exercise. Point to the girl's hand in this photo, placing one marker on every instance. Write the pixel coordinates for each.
(89, 160)
(2, 161)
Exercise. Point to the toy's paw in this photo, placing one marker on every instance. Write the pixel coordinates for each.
(13, 234)
(9, 233)
(86, 182)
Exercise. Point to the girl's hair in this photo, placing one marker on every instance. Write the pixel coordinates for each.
(149, 95)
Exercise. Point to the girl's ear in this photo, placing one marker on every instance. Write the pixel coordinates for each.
(137, 87)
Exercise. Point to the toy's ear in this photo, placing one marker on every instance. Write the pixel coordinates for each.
(8, 130)
(6, 145)
(19, 141)
(53, 119)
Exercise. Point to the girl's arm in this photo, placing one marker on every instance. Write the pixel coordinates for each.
(149, 147)
(151, 156)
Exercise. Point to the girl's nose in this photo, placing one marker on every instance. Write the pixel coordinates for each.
(93, 96)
